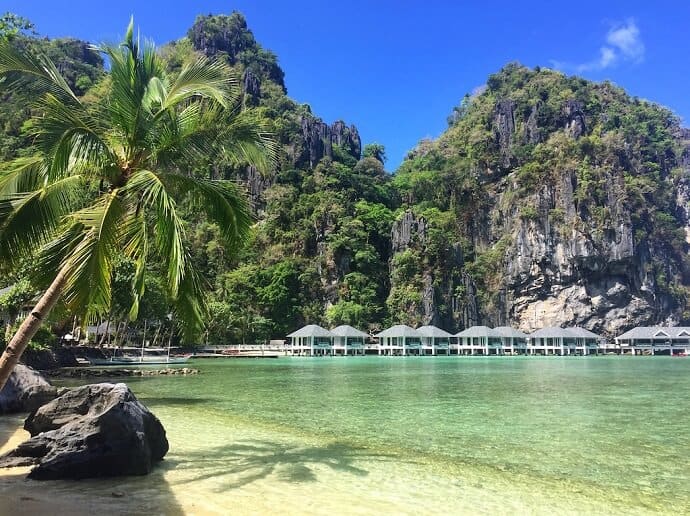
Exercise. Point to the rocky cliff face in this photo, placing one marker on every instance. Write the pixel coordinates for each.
(318, 138)
(431, 294)
(572, 211)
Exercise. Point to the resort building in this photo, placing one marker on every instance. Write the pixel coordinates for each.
(348, 340)
(479, 340)
(434, 340)
(652, 340)
(399, 340)
(311, 340)
(563, 341)
(514, 341)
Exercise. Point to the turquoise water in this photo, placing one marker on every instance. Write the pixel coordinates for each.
(423, 435)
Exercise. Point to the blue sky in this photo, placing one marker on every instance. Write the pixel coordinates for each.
(396, 68)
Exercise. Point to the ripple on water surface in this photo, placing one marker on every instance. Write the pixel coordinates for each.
(430, 435)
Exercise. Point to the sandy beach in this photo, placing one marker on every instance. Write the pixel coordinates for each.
(20, 496)
(16, 495)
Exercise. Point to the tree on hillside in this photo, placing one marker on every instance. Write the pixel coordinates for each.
(107, 178)
(375, 150)
(12, 24)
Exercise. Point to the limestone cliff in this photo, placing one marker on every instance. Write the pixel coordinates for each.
(570, 201)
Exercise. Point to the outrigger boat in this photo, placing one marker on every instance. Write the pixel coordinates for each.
(156, 356)
(143, 360)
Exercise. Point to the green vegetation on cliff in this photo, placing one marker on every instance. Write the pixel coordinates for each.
(549, 200)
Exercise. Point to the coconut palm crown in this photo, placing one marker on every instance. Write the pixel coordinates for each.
(107, 177)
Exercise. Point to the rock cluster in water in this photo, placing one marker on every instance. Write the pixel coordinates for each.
(98, 430)
(116, 373)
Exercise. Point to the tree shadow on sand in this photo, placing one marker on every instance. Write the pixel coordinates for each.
(150, 494)
(245, 462)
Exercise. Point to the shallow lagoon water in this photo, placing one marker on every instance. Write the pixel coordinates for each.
(362, 435)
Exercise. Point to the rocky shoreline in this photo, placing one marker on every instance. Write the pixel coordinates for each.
(87, 372)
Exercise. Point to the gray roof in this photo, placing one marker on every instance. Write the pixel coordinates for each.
(658, 332)
(556, 332)
(5, 290)
(311, 330)
(478, 331)
(578, 331)
(507, 331)
(348, 331)
(433, 331)
(399, 330)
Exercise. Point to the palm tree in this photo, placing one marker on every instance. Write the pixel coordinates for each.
(107, 176)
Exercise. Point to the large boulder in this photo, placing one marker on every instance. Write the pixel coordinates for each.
(92, 431)
(25, 391)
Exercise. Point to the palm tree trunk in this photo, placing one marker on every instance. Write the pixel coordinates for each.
(30, 326)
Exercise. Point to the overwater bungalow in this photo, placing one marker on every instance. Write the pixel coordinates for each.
(652, 340)
(399, 340)
(434, 340)
(479, 340)
(514, 341)
(311, 340)
(348, 340)
(563, 341)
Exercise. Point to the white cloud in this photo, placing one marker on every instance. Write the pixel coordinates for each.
(623, 44)
(626, 39)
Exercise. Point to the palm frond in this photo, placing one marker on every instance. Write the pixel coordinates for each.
(131, 72)
(52, 255)
(190, 305)
(29, 219)
(223, 202)
(154, 95)
(17, 66)
(89, 265)
(190, 134)
(248, 140)
(70, 137)
(22, 175)
(146, 190)
(135, 237)
(202, 78)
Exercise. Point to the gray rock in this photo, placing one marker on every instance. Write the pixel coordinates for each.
(25, 391)
(407, 230)
(574, 115)
(318, 139)
(504, 126)
(532, 133)
(251, 84)
(92, 431)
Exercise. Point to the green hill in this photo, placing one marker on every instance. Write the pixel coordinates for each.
(549, 200)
